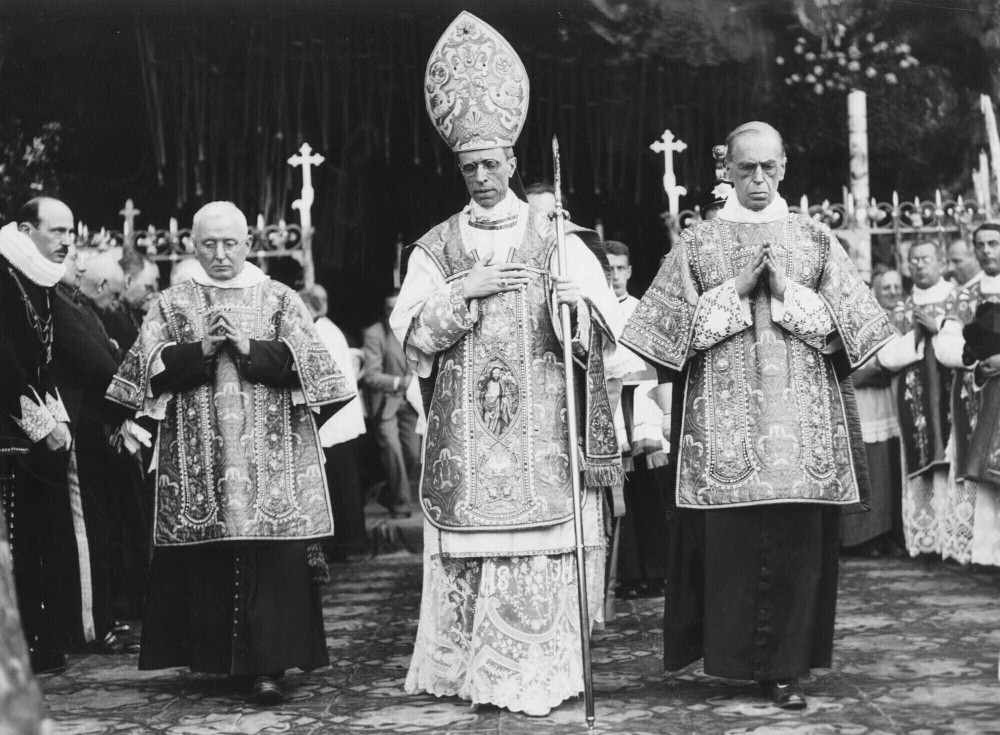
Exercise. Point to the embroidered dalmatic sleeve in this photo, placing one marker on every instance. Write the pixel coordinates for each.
(804, 314)
(130, 386)
(860, 321)
(430, 314)
(662, 326)
(721, 314)
(321, 380)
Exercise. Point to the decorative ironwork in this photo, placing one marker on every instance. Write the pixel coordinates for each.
(281, 240)
(898, 222)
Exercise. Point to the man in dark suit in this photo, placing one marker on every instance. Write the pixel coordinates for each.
(387, 377)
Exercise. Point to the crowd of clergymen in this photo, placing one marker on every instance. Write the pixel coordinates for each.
(913, 384)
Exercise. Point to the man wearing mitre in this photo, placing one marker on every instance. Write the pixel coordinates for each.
(478, 318)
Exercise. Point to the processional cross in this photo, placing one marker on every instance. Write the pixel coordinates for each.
(306, 159)
(667, 144)
(129, 213)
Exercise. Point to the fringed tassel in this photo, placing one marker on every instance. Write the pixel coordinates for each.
(318, 567)
(603, 473)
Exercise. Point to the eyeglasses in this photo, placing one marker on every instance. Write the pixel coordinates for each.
(472, 167)
(213, 245)
(922, 260)
(749, 169)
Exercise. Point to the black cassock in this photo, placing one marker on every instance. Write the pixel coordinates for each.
(232, 607)
(39, 514)
(753, 591)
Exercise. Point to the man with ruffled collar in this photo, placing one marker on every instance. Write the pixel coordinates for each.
(923, 402)
(231, 366)
(762, 313)
(477, 311)
(32, 251)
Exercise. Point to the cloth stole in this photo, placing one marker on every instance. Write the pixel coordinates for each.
(923, 411)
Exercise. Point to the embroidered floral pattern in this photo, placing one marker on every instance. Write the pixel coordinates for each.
(497, 444)
(764, 419)
(236, 460)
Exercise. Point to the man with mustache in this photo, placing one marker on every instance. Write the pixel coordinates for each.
(32, 254)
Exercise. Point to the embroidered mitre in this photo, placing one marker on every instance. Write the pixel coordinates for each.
(475, 87)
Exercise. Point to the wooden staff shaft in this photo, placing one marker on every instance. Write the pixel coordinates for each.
(574, 447)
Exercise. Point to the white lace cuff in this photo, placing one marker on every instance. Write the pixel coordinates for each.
(56, 407)
(721, 313)
(36, 421)
(804, 314)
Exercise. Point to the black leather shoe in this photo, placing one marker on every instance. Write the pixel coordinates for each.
(785, 695)
(267, 691)
(47, 661)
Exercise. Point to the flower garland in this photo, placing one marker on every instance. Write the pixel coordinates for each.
(842, 63)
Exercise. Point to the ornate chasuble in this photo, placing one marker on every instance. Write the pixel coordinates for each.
(764, 419)
(497, 449)
(975, 404)
(235, 460)
(924, 394)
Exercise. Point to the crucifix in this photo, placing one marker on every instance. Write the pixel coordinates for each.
(129, 213)
(306, 159)
(667, 144)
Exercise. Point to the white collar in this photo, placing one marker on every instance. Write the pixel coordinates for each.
(733, 211)
(989, 284)
(507, 207)
(933, 295)
(20, 251)
(249, 276)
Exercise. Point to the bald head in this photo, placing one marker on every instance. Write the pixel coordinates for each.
(103, 280)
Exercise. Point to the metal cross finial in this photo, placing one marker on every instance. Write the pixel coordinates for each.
(129, 213)
(306, 159)
(667, 144)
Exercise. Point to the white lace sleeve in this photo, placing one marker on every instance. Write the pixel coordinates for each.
(721, 313)
(949, 344)
(803, 314)
(900, 352)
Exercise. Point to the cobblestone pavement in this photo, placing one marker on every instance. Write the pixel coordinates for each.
(917, 651)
